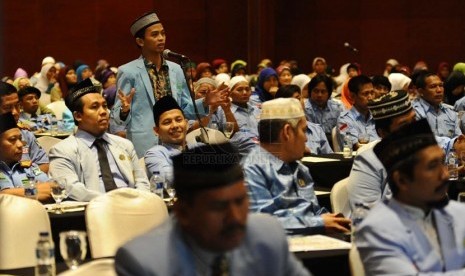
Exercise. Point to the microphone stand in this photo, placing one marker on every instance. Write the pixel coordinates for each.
(203, 137)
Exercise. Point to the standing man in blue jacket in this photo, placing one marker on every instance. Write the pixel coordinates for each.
(145, 80)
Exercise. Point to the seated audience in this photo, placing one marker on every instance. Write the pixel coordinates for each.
(210, 232)
(320, 108)
(278, 183)
(93, 161)
(267, 86)
(13, 175)
(442, 119)
(381, 85)
(171, 129)
(32, 115)
(317, 143)
(32, 151)
(419, 231)
(358, 120)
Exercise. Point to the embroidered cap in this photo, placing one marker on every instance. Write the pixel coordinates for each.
(7, 122)
(82, 88)
(144, 21)
(392, 104)
(282, 108)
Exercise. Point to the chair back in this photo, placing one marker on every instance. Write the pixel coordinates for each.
(58, 107)
(214, 136)
(47, 142)
(142, 165)
(335, 140)
(339, 197)
(21, 221)
(114, 218)
(355, 262)
(100, 267)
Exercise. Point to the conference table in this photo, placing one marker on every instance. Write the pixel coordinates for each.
(310, 249)
(327, 169)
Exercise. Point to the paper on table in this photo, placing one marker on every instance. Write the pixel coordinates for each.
(68, 206)
(315, 159)
(321, 193)
(316, 242)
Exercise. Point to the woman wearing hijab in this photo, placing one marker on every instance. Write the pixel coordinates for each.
(46, 81)
(266, 87)
(67, 79)
(453, 90)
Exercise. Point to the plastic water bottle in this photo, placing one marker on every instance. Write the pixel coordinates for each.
(347, 146)
(452, 165)
(157, 183)
(360, 212)
(30, 189)
(45, 256)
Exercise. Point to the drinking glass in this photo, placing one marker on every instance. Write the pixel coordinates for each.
(363, 138)
(169, 187)
(58, 194)
(73, 247)
(461, 197)
(228, 129)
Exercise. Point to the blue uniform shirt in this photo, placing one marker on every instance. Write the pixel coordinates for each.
(283, 190)
(15, 176)
(36, 153)
(351, 123)
(443, 122)
(326, 117)
(316, 139)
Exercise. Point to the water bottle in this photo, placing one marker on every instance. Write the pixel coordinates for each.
(360, 212)
(45, 256)
(157, 183)
(452, 165)
(30, 189)
(347, 146)
(53, 125)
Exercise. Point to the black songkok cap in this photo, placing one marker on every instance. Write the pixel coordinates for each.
(82, 88)
(206, 167)
(403, 143)
(28, 90)
(390, 105)
(7, 122)
(162, 105)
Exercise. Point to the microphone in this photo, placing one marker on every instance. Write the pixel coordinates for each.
(168, 54)
(352, 48)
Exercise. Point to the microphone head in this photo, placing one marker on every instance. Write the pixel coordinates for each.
(166, 53)
(346, 44)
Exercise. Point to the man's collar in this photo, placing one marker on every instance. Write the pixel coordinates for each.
(89, 139)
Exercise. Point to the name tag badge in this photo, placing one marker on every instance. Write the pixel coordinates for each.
(301, 182)
(2, 176)
(36, 171)
(25, 181)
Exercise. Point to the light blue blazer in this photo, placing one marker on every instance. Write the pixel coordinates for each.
(390, 242)
(163, 251)
(74, 161)
(139, 123)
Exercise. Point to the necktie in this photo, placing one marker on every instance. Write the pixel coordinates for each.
(105, 170)
(220, 266)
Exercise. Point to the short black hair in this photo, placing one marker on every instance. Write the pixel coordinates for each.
(321, 78)
(421, 79)
(381, 80)
(287, 91)
(6, 89)
(357, 82)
